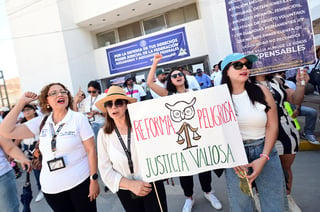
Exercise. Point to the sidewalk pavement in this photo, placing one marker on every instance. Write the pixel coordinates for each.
(305, 190)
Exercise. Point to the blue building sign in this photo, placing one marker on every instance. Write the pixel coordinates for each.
(172, 45)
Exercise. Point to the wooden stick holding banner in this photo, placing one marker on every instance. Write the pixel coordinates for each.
(186, 134)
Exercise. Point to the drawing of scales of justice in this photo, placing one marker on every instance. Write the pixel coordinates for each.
(181, 111)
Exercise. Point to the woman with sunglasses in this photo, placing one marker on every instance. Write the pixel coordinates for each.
(68, 176)
(288, 138)
(117, 158)
(257, 117)
(177, 83)
(95, 116)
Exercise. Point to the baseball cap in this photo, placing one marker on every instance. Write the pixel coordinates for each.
(199, 70)
(237, 56)
(160, 71)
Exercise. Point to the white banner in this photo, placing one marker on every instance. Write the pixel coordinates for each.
(186, 134)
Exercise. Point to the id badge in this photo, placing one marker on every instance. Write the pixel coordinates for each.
(56, 164)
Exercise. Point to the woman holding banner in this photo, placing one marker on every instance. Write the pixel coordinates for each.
(117, 158)
(288, 138)
(177, 83)
(257, 117)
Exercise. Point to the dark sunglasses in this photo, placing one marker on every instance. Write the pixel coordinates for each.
(117, 103)
(239, 65)
(92, 92)
(174, 76)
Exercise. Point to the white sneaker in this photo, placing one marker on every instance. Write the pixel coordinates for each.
(39, 196)
(293, 207)
(213, 200)
(188, 205)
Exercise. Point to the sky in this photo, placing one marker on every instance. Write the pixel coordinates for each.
(7, 56)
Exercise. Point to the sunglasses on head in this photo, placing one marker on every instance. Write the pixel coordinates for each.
(92, 92)
(174, 76)
(239, 65)
(117, 103)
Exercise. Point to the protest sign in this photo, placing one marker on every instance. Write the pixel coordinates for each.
(186, 134)
(279, 32)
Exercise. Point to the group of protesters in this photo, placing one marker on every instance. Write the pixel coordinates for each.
(81, 135)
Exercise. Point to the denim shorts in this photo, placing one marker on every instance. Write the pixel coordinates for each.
(270, 183)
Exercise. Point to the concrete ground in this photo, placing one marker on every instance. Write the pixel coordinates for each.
(305, 188)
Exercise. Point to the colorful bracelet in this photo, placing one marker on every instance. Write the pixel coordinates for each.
(265, 155)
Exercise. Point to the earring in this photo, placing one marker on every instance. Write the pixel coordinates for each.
(48, 106)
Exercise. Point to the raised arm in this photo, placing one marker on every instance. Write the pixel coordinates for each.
(152, 85)
(296, 96)
(8, 127)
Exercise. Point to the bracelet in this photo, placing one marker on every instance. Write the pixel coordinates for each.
(265, 155)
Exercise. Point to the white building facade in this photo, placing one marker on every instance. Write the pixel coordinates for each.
(66, 40)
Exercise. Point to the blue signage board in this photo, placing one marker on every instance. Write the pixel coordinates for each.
(279, 32)
(172, 45)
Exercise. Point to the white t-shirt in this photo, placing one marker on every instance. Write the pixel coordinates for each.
(69, 144)
(154, 94)
(252, 119)
(217, 78)
(113, 161)
(193, 83)
(89, 102)
(136, 92)
(4, 163)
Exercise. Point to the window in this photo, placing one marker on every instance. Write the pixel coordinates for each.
(154, 24)
(106, 38)
(182, 15)
(129, 31)
(169, 19)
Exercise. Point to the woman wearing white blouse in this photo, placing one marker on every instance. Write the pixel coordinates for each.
(117, 158)
(69, 161)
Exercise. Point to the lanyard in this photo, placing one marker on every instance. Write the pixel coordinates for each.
(92, 101)
(54, 136)
(126, 150)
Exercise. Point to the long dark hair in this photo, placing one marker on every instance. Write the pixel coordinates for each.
(95, 85)
(109, 125)
(255, 93)
(171, 87)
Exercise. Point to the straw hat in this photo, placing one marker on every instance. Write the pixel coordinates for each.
(114, 92)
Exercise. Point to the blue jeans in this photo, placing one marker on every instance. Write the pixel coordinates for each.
(311, 119)
(9, 201)
(270, 183)
(37, 176)
(96, 127)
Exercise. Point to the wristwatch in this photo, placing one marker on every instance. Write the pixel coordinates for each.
(94, 176)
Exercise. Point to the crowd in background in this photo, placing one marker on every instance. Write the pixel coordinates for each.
(71, 131)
